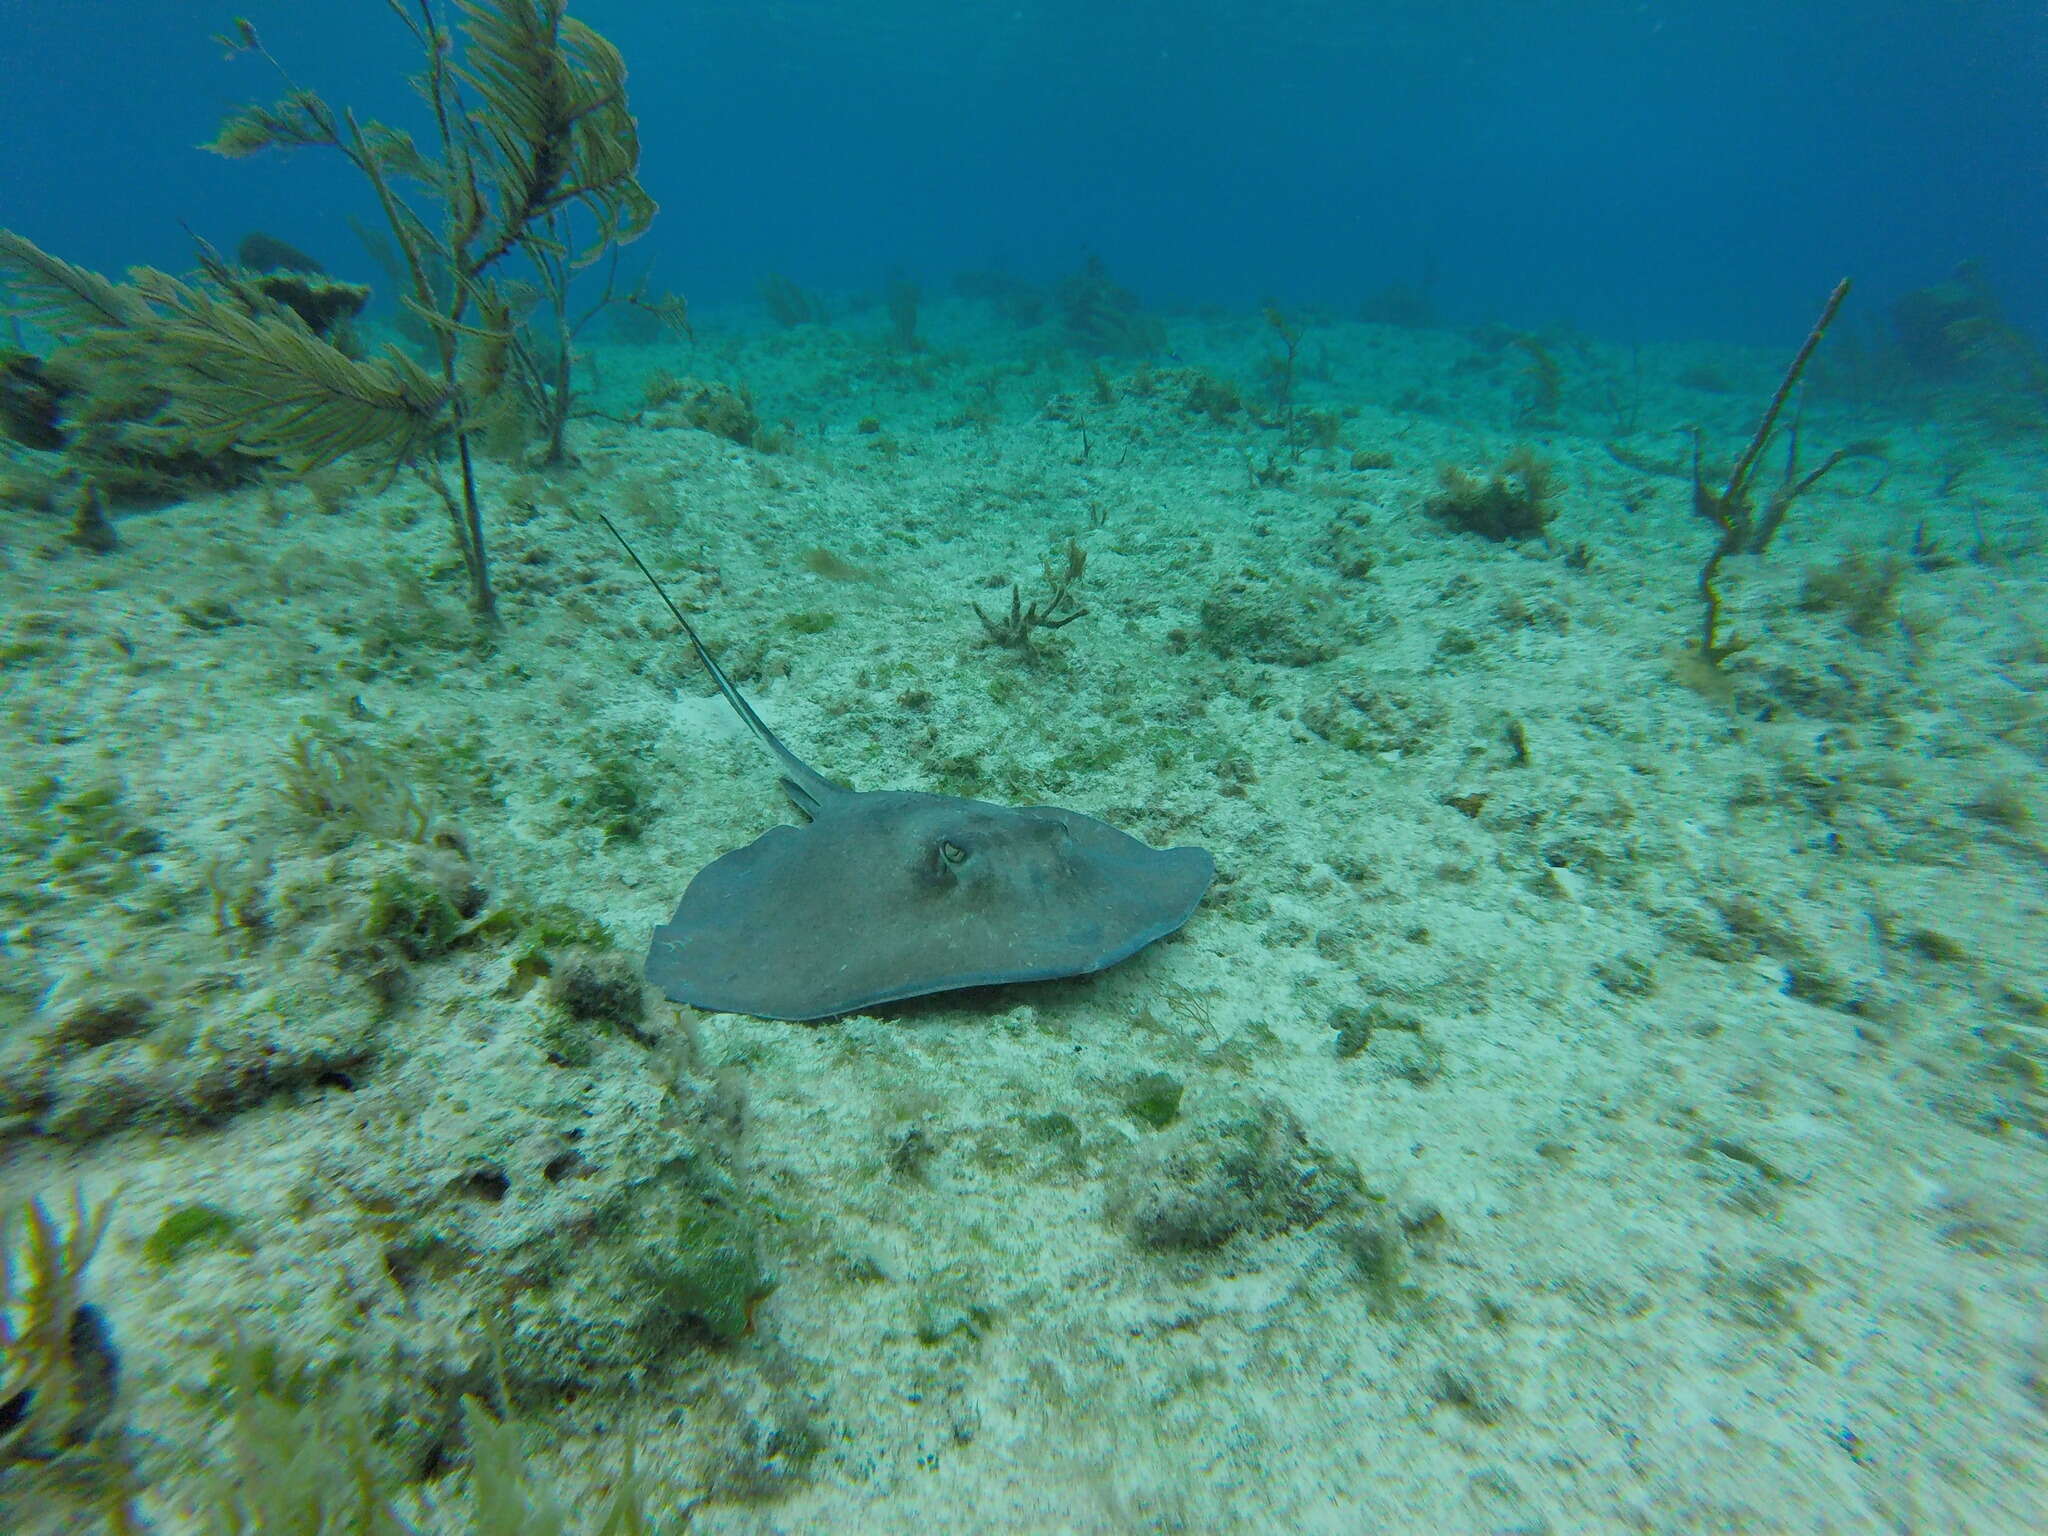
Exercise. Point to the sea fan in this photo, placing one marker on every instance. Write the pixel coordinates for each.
(66, 299)
(264, 384)
(52, 1380)
(553, 115)
(232, 376)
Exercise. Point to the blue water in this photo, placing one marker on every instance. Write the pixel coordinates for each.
(1639, 170)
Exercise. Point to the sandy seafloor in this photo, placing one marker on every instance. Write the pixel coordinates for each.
(1698, 1147)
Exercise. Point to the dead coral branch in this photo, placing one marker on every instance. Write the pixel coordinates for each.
(1743, 530)
(1060, 607)
(534, 153)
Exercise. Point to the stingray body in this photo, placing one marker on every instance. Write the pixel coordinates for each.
(894, 894)
(888, 894)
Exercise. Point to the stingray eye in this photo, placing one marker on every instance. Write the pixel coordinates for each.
(951, 851)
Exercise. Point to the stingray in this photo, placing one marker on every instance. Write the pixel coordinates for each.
(883, 895)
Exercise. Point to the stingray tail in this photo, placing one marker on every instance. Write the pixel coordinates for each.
(806, 787)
